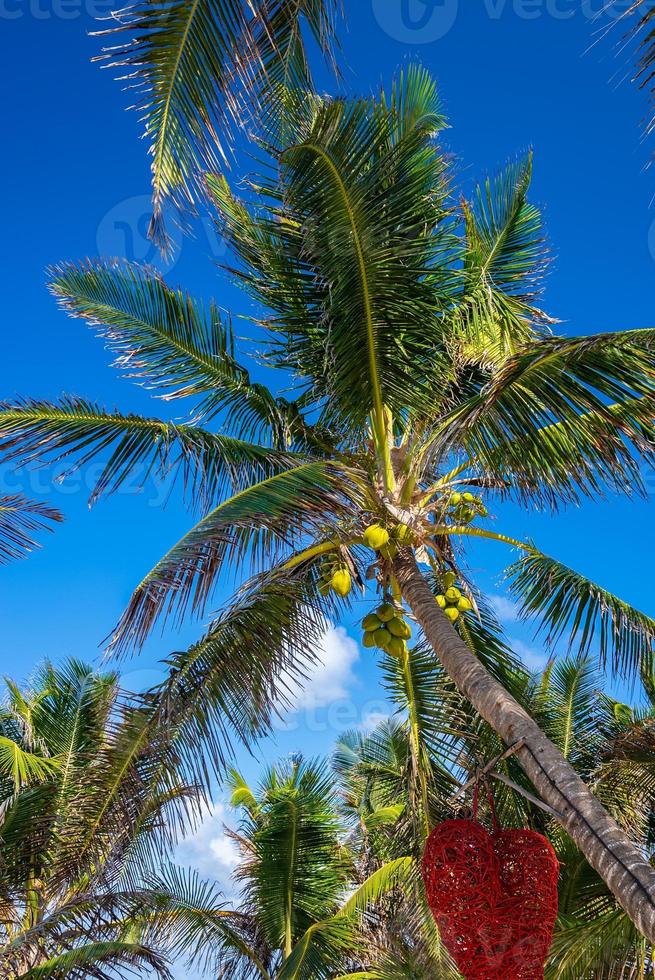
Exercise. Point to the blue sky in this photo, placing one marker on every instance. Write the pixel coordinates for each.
(513, 74)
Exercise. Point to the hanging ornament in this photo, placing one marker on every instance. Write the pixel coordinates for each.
(493, 896)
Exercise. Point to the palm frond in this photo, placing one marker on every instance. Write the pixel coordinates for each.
(22, 767)
(560, 381)
(192, 64)
(583, 456)
(273, 631)
(382, 881)
(504, 260)
(168, 341)
(263, 519)
(101, 960)
(206, 464)
(344, 251)
(20, 519)
(570, 606)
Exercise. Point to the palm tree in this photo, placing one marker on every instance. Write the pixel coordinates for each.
(302, 901)
(89, 800)
(425, 379)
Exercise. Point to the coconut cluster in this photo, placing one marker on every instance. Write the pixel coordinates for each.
(452, 601)
(387, 629)
(463, 508)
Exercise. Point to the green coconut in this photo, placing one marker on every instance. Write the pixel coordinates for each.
(452, 612)
(385, 612)
(376, 536)
(398, 627)
(453, 595)
(382, 638)
(441, 601)
(341, 582)
(368, 641)
(464, 604)
(397, 646)
(371, 623)
(449, 580)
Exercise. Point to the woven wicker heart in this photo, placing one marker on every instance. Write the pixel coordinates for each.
(494, 898)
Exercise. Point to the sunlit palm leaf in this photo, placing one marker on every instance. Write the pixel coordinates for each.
(504, 259)
(168, 341)
(570, 606)
(192, 63)
(273, 630)
(207, 465)
(263, 519)
(560, 380)
(580, 457)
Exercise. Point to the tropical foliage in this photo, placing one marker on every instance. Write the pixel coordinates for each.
(90, 800)
(422, 383)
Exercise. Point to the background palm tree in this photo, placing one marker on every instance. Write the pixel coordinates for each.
(89, 801)
(424, 378)
(302, 900)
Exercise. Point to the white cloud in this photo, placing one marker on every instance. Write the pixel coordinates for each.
(533, 659)
(332, 676)
(210, 850)
(505, 609)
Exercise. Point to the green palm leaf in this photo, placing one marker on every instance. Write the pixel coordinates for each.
(192, 63)
(571, 606)
(206, 464)
(263, 519)
(165, 339)
(273, 630)
(504, 259)
(571, 382)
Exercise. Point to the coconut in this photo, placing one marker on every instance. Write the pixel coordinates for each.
(382, 638)
(468, 497)
(398, 627)
(389, 551)
(376, 536)
(453, 595)
(368, 640)
(449, 580)
(397, 647)
(341, 582)
(441, 601)
(452, 612)
(464, 604)
(455, 499)
(371, 623)
(385, 612)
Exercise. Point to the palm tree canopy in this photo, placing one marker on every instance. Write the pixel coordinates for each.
(420, 364)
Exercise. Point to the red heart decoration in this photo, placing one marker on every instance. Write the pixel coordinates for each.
(494, 898)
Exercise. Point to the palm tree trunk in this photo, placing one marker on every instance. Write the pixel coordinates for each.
(606, 847)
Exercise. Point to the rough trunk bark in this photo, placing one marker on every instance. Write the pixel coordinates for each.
(618, 861)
